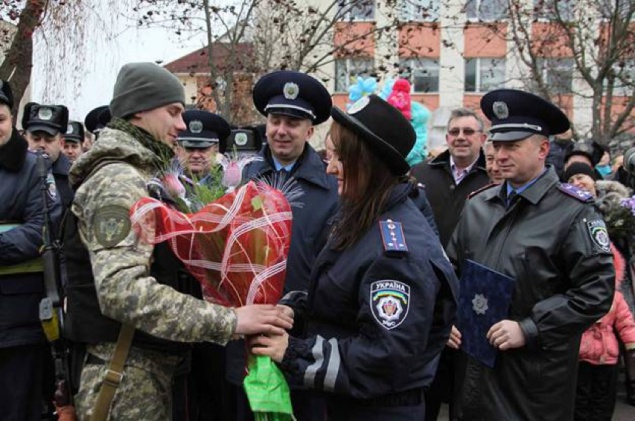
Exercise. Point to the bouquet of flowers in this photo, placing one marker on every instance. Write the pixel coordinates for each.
(236, 247)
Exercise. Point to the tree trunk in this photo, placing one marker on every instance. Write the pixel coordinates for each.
(18, 63)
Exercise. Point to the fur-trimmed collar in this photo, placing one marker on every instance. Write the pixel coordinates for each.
(13, 153)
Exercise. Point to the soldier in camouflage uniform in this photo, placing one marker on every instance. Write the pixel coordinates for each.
(133, 282)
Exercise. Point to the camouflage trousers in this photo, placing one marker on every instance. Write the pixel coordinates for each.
(144, 392)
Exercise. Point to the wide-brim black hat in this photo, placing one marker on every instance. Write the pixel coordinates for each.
(383, 127)
(97, 118)
(516, 115)
(292, 93)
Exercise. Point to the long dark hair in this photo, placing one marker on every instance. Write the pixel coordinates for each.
(367, 184)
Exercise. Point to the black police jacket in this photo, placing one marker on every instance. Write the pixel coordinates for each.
(22, 205)
(552, 241)
(60, 170)
(85, 322)
(378, 313)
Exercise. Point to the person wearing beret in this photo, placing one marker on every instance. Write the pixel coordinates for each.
(293, 104)
(551, 240)
(24, 353)
(73, 140)
(45, 126)
(382, 295)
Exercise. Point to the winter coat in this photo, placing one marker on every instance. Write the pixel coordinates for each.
(552, 241)
(599, 343)
(22, 219)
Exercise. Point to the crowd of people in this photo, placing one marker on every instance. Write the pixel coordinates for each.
(373, 323)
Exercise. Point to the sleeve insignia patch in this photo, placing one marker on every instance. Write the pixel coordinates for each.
(111, 225)
(389, 302)
(576, 192)
(392, 237)
(51, 187)
(599, 235)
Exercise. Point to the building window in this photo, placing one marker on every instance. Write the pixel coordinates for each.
(484, 74)
(423, 73)
(356, 10)
(419, 10)
(624, 84)
(487, 10)
(557, 74)
(554, 10)
(348, 69)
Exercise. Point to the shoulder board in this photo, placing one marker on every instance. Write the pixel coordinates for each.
(575, 192)
(482, 189)
(393, 238)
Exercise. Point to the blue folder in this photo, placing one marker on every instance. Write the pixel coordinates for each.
(484, 301)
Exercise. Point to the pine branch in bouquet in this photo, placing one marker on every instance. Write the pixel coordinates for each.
(620, 220)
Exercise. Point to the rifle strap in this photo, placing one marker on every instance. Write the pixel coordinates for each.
(114, 374)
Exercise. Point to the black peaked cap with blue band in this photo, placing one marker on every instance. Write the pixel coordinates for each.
(51, 119)
(294, 94)
(97, 119)
(383, 127)
(74, 132)
(203, 129)
(516, 115)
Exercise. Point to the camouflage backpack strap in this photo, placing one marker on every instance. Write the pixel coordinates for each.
(114, 374)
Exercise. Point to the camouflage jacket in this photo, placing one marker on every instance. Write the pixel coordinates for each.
(120, 262)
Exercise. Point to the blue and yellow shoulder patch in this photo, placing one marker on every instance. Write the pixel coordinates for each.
(392, 237)
(575, 192)
(482, 189)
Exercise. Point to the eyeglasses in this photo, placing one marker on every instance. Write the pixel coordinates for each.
(467, 131)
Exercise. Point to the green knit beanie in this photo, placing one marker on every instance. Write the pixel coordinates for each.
(143, 87)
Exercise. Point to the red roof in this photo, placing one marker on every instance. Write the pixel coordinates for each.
(197, 61)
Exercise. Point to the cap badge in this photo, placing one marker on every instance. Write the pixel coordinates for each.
(290, 90)
(71, 129)
(45, 113)
(196, 126)
(359, 105)
(240, 139)
(500, 110)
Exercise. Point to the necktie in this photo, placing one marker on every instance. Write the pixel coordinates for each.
(512, 198)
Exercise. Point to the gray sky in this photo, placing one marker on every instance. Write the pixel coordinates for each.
(84, 79)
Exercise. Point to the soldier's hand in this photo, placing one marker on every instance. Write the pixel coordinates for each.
(454, 341)
(506, 334)
(273, 346)
(261, 318)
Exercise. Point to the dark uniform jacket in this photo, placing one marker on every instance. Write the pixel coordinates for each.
(60, 170)
(552, 242)
(317, 204)
(21, 204)
(369, 349)
(445, 196)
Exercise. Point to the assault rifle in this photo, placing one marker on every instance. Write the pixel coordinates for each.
(51, 313)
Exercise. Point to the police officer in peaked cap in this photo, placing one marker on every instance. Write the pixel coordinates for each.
(45, 126)
(293, 104)
(199, 142)
(73, 140)
(552, 241)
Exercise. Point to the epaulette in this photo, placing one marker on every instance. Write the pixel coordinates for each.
(482, 189)
(575, 192)
(393, 238)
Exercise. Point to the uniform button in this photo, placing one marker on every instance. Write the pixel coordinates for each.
(452, 186)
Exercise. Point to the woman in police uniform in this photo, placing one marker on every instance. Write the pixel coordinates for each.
(382, 292)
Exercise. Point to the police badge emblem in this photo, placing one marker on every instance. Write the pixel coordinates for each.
(290, 90)
(500, 110)
(196, 126)
(45, 113)
(479, 304)
(599, 235)
(51, 187)
(70, 129)
(240, 139)
(389, 302)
